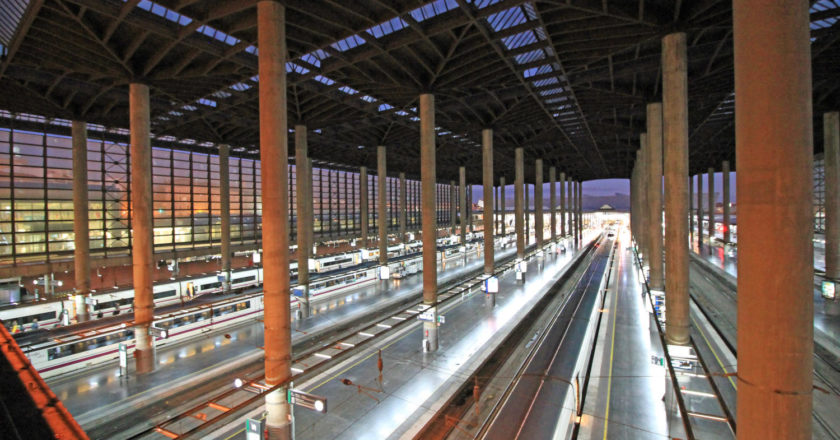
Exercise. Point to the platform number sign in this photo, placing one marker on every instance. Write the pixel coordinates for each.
(254, 430)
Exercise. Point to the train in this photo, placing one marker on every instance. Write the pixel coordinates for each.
(55, 356)
(50, 314)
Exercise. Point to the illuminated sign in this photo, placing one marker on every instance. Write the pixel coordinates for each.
(491, 285)
(829, 289)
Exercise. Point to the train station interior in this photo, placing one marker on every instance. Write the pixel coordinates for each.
(419, 219)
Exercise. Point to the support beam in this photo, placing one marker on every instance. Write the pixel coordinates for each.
(403, 208)
(224, 211)
(690, 209)
(142, 248)
(831, 147)
(518, 198)
(774, 159)
(81, 234)
(552, 202)
(462, 199)
(699, 212)
(429, 217)
(363, 205)
(644, 214)
(274, 155)
(580, 211)
(527, 216)
(675, 129)
(562, 206)
(503, 229)
(304, 214)
(453, 206)
(711, 205)
(382, 204)
(538, 202)
(569, 211)
(654, 194)
(726, 202)
(487, 175)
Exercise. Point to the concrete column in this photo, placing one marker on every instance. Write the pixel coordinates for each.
(224, 210)
(774, 159)
(711, 205)
(142, 248)
(831, 147)
(496, 211)
(81, 235)
(562, 205)
(726, 202)
(527, 216)
(644, 215)
(462, 200)
(538, 202)
(552, 200)
(691, 209)
(274, 155)
(568, 206)
(429, 217)
(403, 208)
(382, 204)
(654, 194)
(580, 211)
(363, 204)
(675, 128)
(699, 210)
(304, 215)
(310, 209)
(487, 174)
(518, 201)
(503, 228)
(453, 206)
(633, 196)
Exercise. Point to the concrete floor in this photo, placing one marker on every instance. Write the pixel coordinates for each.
(624, 397)
(414, 383)
(211, 360)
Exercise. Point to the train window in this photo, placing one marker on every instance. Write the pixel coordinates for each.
(90, 344)
(165, 294)
(112, 304)
(210, 286)
(41, 317)
(244, 279)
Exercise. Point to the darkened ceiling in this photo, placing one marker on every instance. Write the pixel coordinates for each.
(566, 80)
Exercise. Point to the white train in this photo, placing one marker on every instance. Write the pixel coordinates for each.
(50, 314)
(80, 350)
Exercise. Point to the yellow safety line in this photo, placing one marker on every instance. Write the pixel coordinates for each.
(715, 354)
(612, 352)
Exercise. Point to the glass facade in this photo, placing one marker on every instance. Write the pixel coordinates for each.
(36, 198)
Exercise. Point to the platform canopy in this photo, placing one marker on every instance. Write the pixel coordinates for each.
(566, 80)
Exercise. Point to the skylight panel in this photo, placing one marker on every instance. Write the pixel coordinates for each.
(384, 107)
(240, 87)
(368, 98)
(292, 67)
(189, 108)
(252, 50)
(218, 35)
(506, 19)
(529, 57)
(401, 112)
(529, 72)
(348, 43)
(433, 9)
(545, 82)
(348, 90)
(207, 102)
(324, 80)
(388, 27)
(519, 40)
(553, 91)
(221, 94)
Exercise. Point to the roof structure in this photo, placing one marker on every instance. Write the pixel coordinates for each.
(566, 80)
